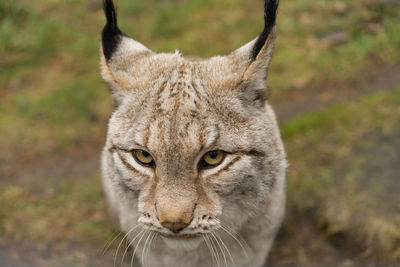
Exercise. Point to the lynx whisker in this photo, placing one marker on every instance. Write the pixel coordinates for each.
(130, 244)
(155, 235)
(120, 243)
(236, 237)
(214, 249)
(226, 248)
(108, 244)
(211, 249)
(220, 248)
(144, 248)
(137, 245)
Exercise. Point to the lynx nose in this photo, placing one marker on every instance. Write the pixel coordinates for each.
(175, 227)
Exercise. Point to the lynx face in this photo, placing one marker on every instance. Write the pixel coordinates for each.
(193, 146)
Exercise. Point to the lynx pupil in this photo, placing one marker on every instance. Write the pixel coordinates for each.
(143, 157)
(213, 154)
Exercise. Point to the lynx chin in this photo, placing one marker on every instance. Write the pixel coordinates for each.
(194, 166)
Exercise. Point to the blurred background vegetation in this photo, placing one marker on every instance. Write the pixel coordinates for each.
(335, 84)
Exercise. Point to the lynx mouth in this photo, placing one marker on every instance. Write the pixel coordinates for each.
(185, 242)
(180, 236)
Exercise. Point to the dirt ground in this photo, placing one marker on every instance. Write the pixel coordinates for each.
(325, 252)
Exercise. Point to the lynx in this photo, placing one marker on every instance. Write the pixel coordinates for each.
(193, 166)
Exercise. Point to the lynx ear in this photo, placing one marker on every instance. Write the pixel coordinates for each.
(119, 53)
(255, 56)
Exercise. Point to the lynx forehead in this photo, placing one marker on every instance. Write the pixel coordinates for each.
(193, 161)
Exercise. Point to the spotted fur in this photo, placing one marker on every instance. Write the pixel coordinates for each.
(178, 109)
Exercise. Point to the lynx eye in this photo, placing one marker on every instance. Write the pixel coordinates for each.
(143, 157)
(213, 158)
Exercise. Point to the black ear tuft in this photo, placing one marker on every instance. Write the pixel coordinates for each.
(111, 34)
(270, 8)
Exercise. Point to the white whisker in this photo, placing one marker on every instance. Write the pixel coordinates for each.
(214, 258)
(109, 243)
(130, 243)
(236, 234)
(120, 243)
(137, 245)
(155, 234)
(144, 248)
(215, 250)
(233, 235)
(220, 248)
(226, 248)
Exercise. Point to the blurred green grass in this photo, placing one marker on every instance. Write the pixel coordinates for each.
(50, 54)
(25, 214)
(345, 174)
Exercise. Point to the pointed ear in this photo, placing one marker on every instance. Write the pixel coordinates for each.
(255, 56)
(118, 52)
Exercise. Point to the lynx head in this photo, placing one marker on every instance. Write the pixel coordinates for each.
(192, 144)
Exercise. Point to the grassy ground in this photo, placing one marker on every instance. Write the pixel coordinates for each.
(344, 174)
(54, 109)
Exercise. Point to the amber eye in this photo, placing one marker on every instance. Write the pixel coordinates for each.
(213, 158)
(143, 157)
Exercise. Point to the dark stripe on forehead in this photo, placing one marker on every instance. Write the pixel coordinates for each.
(157, 99)
(161, 89)
(175, 120)
(194, 87)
